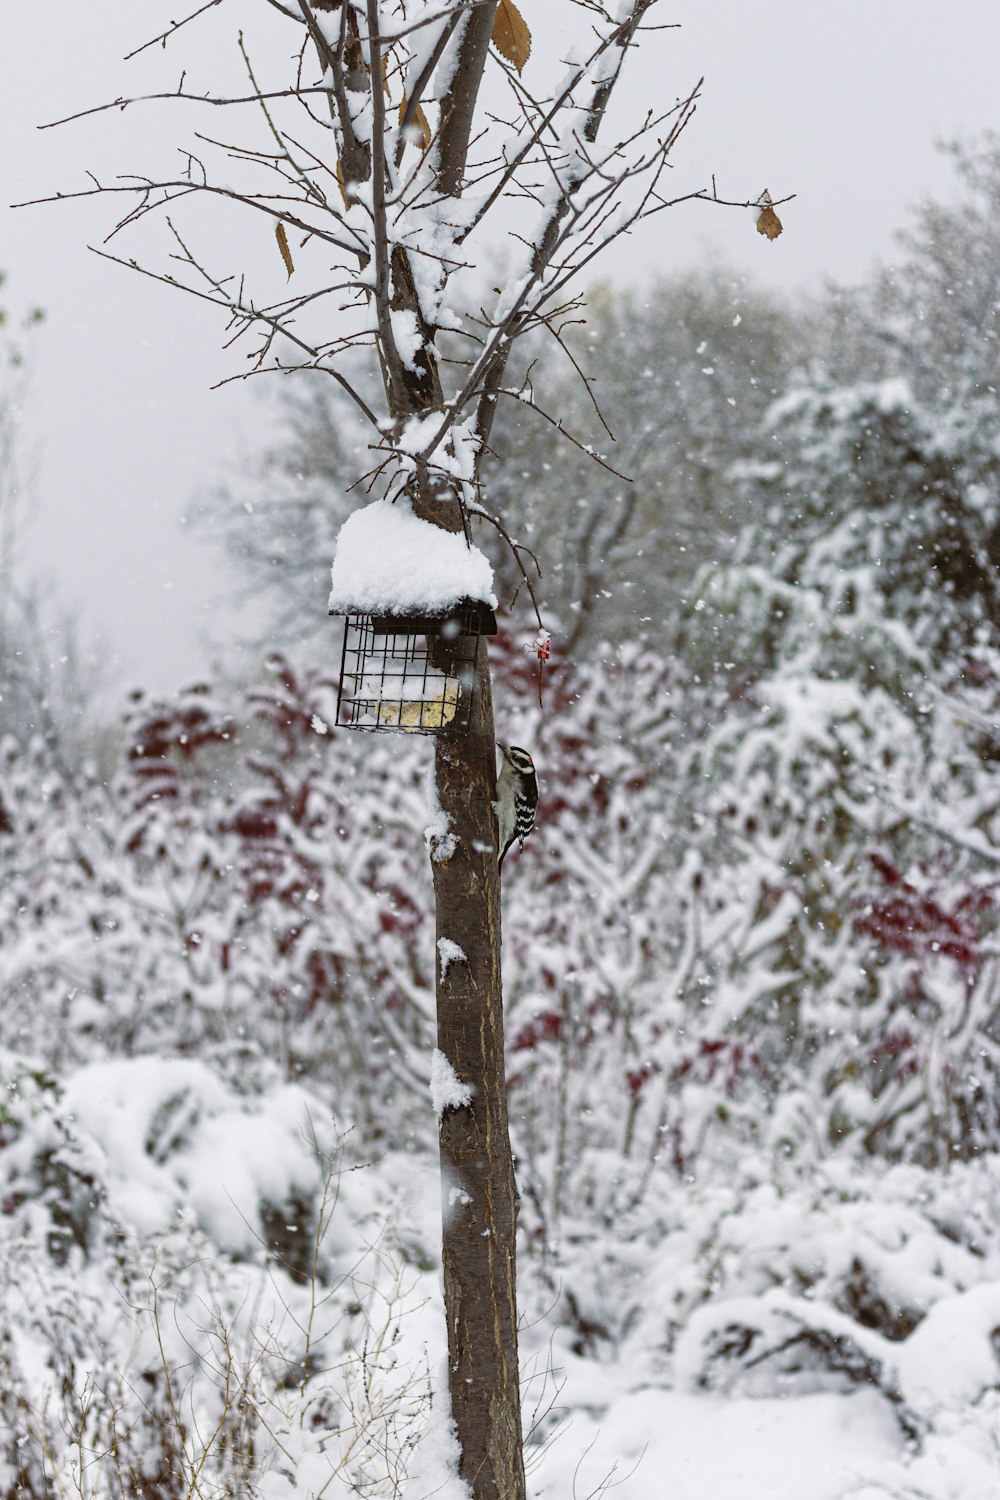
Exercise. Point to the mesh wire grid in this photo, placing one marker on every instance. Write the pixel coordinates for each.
(389, 682)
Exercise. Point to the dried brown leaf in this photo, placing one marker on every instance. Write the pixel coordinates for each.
(768, 222)
(286, 254)
(511, 37)
(421, 122)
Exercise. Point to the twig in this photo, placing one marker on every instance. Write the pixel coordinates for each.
(214, 100)
(172, 189)
(251, 313)
(557, 423)
(516, 549)
(174, 26)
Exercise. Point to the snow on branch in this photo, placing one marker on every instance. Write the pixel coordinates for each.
(375, 163)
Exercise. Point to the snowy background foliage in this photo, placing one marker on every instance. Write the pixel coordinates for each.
(752, 957)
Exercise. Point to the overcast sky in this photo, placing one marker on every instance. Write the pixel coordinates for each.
(841, 105)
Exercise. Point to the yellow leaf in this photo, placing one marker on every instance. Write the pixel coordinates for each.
(511, 37)
(340, 181)
(420, 121)
(286, 254)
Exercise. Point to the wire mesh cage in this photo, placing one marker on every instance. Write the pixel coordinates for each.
(412, 674)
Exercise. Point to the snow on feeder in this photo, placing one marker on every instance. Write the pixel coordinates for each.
(418, 601)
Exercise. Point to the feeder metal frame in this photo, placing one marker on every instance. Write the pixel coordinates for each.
(389, 682)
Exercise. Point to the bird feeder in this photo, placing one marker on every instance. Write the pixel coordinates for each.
(417, 601)
(414, 674)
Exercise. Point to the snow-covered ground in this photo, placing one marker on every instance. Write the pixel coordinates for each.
(719, 1345)
(659, 1443)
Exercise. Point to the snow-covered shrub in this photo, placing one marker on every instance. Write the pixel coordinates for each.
(853, 834)
(894, 1282)
(251, 890)
(199, 1290)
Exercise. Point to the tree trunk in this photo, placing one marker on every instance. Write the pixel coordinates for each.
(479, 1198)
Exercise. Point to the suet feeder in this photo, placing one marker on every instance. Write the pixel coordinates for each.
(417, 601)
(414, 674)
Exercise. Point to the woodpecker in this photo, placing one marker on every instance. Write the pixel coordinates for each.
(517, 798)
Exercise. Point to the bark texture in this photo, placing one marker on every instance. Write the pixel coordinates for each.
(459, 104)
(479, 1196)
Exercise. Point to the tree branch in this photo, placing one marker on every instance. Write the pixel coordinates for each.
(250, 313)
(175, 26)
(459, 104)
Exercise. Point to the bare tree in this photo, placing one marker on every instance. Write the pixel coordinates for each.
(685, 367)
(389, 157)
